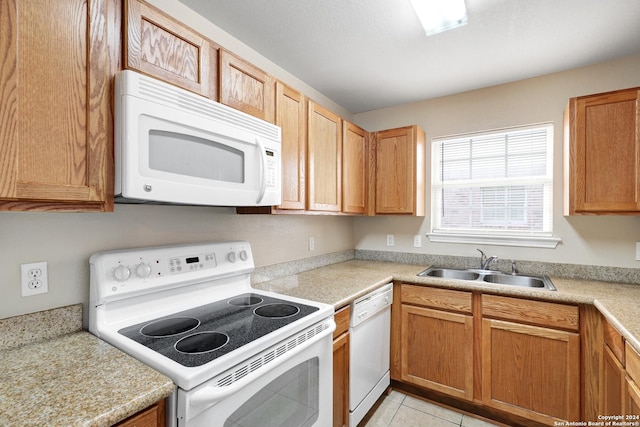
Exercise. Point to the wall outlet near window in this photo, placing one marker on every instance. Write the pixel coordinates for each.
(390, 240)
(312, 244)
(637, 251)
(417, 241)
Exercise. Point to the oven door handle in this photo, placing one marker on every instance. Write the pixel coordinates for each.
(209, 395)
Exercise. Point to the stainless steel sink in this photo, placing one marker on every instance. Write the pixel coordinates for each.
(490, 276)
(448, 273)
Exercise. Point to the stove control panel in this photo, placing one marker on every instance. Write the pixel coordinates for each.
(192, 262)
(115, 274)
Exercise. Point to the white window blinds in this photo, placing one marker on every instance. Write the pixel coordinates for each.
(497, 183)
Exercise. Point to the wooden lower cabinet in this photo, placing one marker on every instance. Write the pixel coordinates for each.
(341, 369)
(612, 383)
(531, 358)
(516, 360)
(531, 371)
(612, 372)
(632, 398)
(436, 348)
(153, 416)
(632, 406)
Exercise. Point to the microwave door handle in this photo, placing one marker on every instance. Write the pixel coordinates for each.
(263, 168)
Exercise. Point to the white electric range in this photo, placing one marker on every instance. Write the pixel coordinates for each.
(238, 356)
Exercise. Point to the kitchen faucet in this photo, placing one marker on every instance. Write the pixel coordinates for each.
(484, 261)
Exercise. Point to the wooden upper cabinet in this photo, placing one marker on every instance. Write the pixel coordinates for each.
(400, 171)
(602, 153)
(245, 87)
(324, 158)
(56, 126)
(291, 116)
(158, 45)
(354, 168)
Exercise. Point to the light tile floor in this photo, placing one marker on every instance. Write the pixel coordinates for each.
(400, 410)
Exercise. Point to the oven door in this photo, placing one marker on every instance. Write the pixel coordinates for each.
(293, 389)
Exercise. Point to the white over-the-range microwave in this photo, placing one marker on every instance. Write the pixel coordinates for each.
(173, 146)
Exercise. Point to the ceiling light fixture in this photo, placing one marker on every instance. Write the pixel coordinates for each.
(437, 16)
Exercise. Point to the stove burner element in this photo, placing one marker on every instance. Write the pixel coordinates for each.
(169, 327)
(278, 310)
(202, 342)
(245, 301)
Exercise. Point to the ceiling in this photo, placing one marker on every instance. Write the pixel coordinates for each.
(370, 54)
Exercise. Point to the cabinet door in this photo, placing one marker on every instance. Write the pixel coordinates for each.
(245, 87)
(354, 168)
(632, 406)
(437, 350)
(604, 155)
(632, 398)
(162, 47)
(292, 118)
(324, 160)
(56, 129)
(341, 381)
(531, 371)
(613, 384)
(400, 171)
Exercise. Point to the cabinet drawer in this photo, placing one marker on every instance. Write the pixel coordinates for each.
(535, 312)
(614, 340)
(632, 363)
(443, 299)
(341, 318)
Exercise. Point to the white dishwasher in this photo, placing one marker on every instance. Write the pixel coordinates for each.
(370, 334)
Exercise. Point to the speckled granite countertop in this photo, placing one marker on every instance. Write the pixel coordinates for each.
(338, 284)
(70, 379)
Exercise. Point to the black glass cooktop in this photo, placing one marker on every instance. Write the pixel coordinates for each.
(197, 336)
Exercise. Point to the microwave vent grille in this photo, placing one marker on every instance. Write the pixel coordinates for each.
(156, 91)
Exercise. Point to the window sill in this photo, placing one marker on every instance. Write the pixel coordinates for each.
(523, 241)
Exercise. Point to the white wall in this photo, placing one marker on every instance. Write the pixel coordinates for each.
(605, 240)
(67, 240)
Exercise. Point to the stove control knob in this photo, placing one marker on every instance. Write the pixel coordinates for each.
(121, 273)
(231, 257)
(143, 270)
(243, 255)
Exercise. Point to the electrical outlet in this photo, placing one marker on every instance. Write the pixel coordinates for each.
(312, 244)
(637, 251)
(417, 241)
(34, 278)
(390, 240)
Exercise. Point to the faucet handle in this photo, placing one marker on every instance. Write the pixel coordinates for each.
(514, 269)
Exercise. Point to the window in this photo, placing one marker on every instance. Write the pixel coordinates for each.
(494, 187)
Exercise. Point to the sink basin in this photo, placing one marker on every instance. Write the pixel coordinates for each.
(448, 273)
(526, 281)
(489, 276)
